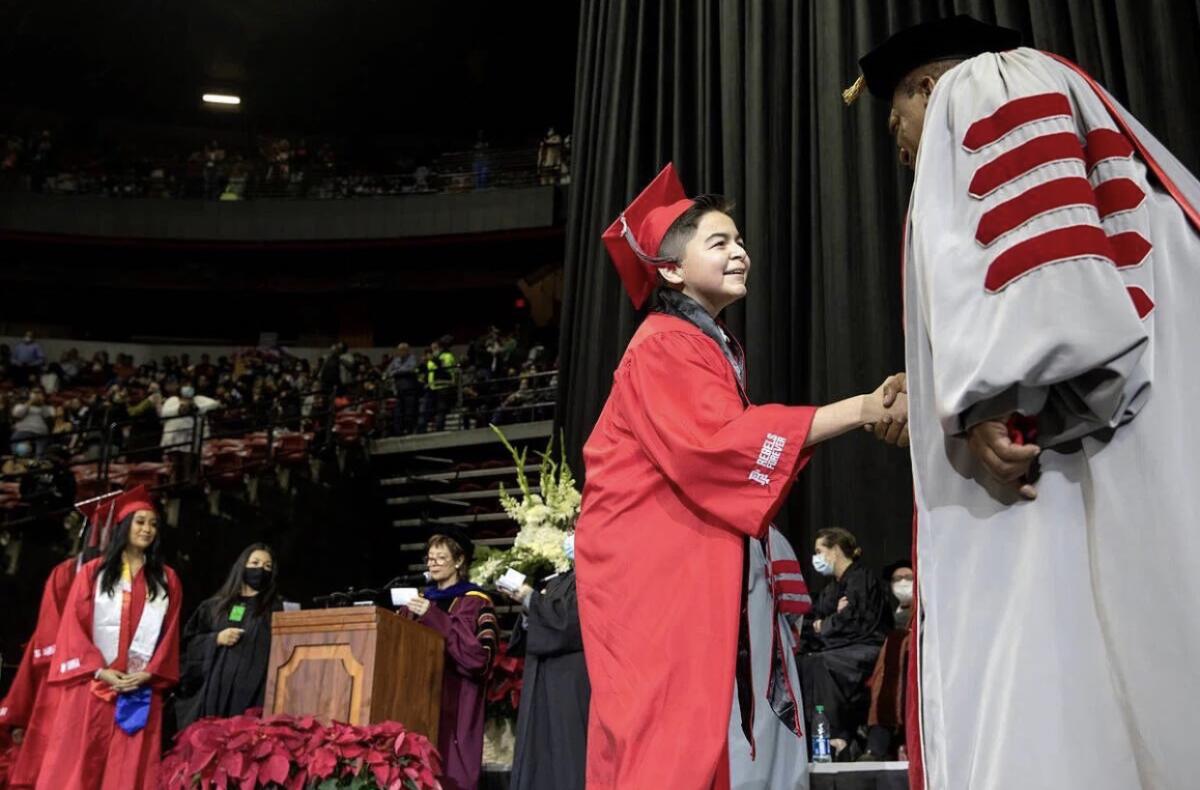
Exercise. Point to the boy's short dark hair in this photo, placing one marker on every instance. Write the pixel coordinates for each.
(682, 229)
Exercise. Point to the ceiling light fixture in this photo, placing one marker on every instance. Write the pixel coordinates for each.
(221, 98)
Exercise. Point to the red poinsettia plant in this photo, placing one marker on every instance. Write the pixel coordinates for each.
(504, 685)
(298, 753)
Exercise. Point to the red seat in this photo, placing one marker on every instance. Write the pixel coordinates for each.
(291, 449)
(226, 470)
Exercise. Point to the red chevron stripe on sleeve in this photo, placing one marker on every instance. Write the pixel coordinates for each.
(1116, 195)
(1141, 301)
(1129, 249)
(1027, 156)
(1076, 241)
(1013, 115)
(1033, 202)
(1106, 144)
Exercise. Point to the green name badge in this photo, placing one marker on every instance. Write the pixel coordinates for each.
(237, 612)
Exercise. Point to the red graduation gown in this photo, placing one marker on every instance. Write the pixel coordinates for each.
(87, 750)
(31, 702)
(679, 472)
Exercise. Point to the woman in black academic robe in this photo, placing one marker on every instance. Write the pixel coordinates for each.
(227, 642)
(850, 619)
(551, 748)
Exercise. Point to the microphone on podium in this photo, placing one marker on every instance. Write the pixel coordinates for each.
(409, 580)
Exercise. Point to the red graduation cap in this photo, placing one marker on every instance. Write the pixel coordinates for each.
(633, 241)
(105, 512)
(132, 501)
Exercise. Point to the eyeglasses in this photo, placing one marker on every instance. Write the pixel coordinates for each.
(437, 560)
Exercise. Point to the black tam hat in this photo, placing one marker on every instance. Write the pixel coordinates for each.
(462, 538)
(952, 38)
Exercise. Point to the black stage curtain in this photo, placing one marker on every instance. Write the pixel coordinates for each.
(745, 97)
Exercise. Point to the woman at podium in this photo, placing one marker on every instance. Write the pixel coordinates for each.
(463, 614)
(227, 642)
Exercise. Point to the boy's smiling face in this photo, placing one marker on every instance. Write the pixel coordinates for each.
(714, 267)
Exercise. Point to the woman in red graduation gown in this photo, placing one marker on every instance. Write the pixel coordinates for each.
(117, 652)
(31, 702)
(681, 471)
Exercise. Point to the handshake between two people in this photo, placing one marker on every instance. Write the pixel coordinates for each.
(989, 441)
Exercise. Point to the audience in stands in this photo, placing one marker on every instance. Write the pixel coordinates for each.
(265, 393)
(27, 355)
(402, 372)
(183, 418)
(441, 384)
(850, 619)
(276, 166)
(31, 424)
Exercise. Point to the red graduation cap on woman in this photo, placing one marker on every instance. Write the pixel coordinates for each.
(633, 241)
(132, 501)
(104, 513)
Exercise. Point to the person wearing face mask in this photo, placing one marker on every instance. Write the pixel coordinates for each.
(551, 748)
(851, 617)
(885, 717)
(227, 642)
(899, 576)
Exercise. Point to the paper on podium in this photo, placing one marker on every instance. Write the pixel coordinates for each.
(402, 595)
(511, 581)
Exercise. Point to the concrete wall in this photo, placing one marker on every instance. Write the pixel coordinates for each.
(440, 214)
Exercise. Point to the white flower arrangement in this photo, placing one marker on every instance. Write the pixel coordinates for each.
(545, 516)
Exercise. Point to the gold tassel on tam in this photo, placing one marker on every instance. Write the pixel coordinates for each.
(851, 94)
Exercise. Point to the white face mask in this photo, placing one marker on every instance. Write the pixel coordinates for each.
(822, 565)
(903, 590)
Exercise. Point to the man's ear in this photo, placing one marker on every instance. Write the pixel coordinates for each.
(673, 274)
(926, 85)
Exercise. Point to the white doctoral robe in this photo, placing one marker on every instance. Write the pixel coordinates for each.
(1049, 271)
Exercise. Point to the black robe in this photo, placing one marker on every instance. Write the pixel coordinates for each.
(842, 656)
(223, 681)
(551, 748)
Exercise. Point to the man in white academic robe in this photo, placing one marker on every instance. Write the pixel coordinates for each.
(1052, 277)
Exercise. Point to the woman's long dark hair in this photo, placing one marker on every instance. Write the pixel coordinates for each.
(110, 568)
(231, 590)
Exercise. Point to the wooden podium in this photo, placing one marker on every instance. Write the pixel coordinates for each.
(359, 665)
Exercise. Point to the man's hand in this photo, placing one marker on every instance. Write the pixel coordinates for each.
(418, 606)
(893, 427)
(1004, 460)
(843, 602)
(817, 625)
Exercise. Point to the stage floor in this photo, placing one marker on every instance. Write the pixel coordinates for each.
(827, 776)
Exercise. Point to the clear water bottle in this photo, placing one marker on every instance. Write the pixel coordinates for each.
(820, 737)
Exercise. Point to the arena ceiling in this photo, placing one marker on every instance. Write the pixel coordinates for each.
(394, 66)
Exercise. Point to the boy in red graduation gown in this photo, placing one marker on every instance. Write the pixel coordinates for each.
(681, 470)
(117, 651)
